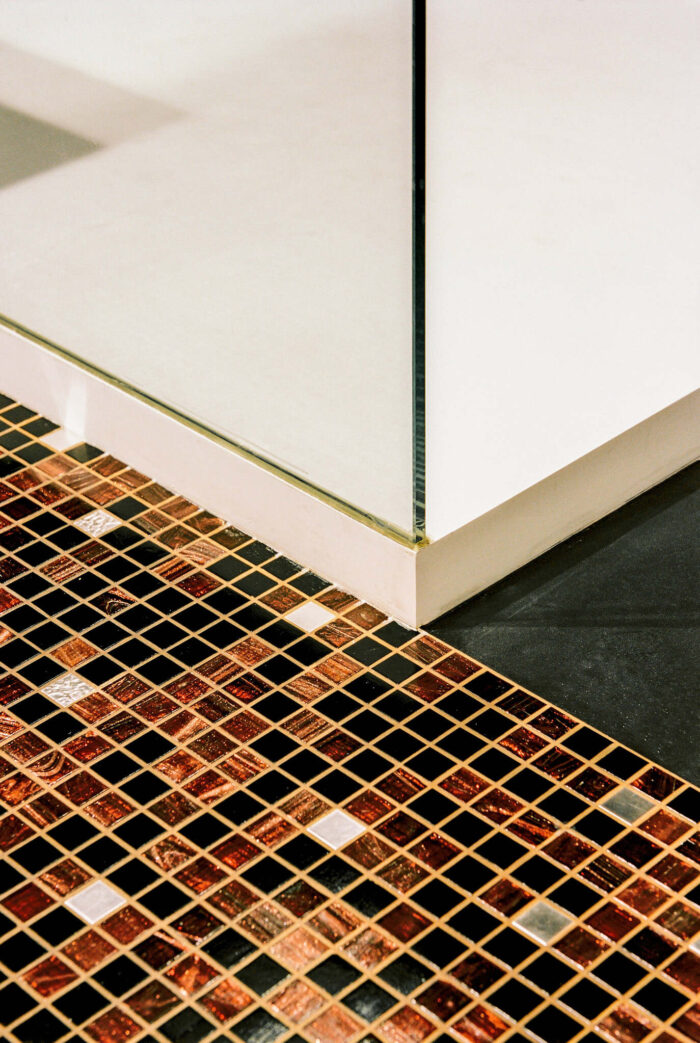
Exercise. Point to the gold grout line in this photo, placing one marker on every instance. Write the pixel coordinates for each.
(555, 785)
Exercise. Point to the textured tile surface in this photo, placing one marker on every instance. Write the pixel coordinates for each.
(238, 804)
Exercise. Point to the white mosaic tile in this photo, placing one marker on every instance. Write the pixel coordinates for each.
(67, 689)
(310, 616)
(97, 523)
(542, 921)
(628, 804)
(62, 438)
(336, 829)
(95, 902)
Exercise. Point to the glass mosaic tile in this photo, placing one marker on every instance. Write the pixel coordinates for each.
(240, 804)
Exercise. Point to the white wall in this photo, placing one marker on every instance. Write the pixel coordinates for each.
(563, 226)
(241, 249)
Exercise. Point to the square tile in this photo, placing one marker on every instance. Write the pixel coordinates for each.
(95, 902)
(628, 804)
(67, 689)
(309, 616)
(97, 523)
(543, 921)
(336, 829)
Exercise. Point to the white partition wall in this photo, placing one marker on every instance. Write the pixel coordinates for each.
(236, 243)
(563, 239)
(209, 225)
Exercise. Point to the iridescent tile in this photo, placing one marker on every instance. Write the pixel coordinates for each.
(13, 831)
(182, 726)
(174, 808)
(337, 745)
(114, 1026)
(334, 1026)
(368, 851)
(235, 851)
(532, 827)
(126, 925)
(404, 922)
(401, 828)
(152, 1001)
(498, 805)
(233, 898)
(27, 902)
(299, 898)
(88, 950)
(506, 897)
(557, 763)
(200, 875)
(520, 704)
(657, 783)
(109, 808)
(187, 688)
(457, 667)
(568, 850)
(86, 747)
(591, 784)
(612, 921)
(170, 852)
(442, 1000)
(64, 877)
(581, 946)
(369, 948)
(265, 922)
(298, 949)
(50, 976)
(338, 668)
(664, 826)
(626, 1024)
(464, 784)
(335, 921)
(605, 872)
(211, 746)
(680, 919)
(307, 687)
(428, 686)
(190, 975)
(686, 971)
(643, 896)
(17, 789)
(435, 851)
(673, 872)
(406, 1026)
(282, 598)
(403, 874)
(226, 1000)
(197, 925)
(209, 787)
(251, 651)
(523, 742)
(476, 972)
(297, 1002)
(553, 722)
(246, 726)
(304, 806)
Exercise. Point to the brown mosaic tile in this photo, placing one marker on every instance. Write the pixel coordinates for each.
(197, 744)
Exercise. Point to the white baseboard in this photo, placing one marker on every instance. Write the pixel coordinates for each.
(465, 562)
(341, 548)
(411, 584)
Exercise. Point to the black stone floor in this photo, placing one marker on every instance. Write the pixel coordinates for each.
(605, 625)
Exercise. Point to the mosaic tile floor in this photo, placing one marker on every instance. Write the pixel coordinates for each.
(238, 804)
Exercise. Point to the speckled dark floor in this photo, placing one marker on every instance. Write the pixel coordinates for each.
(605, 625)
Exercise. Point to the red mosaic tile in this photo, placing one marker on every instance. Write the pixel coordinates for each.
(404, 922)
(403, 874)
(27, 902)
(113, 1027)
(612, 921)
(498, 805)
(88, 950)
(190, 975)
(464, 784)
(226, 1000)
(335, 921)
(369, 807)
(457, 667)
(297, 1002)
(50, 976)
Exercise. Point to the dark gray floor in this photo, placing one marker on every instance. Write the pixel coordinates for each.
(605, 625)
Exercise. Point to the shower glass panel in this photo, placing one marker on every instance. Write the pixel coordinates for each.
(211, 203)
